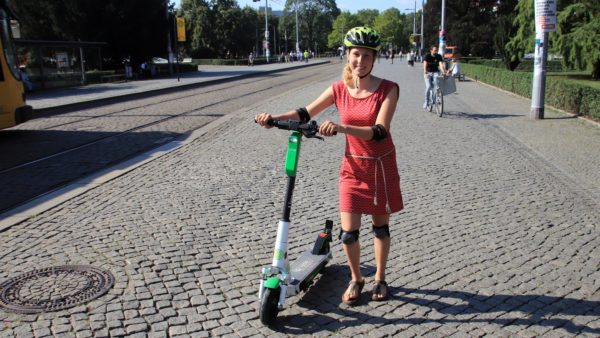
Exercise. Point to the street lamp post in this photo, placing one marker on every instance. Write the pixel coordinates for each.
(169, 49)
(414, 34)
(415, 19)
(442, 46)
(297, 40)
(267, 30)
(422, 20)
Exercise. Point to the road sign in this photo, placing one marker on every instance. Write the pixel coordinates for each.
(545, 16)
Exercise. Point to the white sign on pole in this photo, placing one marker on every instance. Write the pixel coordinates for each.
(545, 16)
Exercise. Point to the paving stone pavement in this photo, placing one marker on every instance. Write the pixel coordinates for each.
(498, 237)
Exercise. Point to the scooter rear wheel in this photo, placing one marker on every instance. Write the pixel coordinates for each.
(268, 306)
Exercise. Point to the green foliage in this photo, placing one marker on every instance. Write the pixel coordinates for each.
(469, 25)
(128, 30)
(560, 93)
(387, 24)
(578, 38)
(523, 40)
(341, 25)
(315, 21)
(366, 17)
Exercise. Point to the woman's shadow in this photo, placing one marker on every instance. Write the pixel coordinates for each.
(328, 314)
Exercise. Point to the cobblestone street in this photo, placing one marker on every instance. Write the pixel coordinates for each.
(499, 235)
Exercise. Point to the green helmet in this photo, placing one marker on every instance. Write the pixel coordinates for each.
(363, 37)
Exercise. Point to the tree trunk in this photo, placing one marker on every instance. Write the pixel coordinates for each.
(596, 70)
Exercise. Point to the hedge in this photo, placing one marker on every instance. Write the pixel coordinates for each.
(524, 66)
(560, 93)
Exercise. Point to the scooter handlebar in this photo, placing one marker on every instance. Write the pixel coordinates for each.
(309, 129)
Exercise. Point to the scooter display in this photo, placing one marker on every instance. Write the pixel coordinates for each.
(282, 279)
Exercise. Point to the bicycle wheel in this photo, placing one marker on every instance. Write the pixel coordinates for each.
(439, 103)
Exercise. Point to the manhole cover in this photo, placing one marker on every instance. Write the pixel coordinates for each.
(54, 288)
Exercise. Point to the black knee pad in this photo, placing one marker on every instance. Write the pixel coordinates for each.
(382, 231)
(348, 237)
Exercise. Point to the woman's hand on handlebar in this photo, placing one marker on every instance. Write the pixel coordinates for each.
(263, 119)
(329, 128)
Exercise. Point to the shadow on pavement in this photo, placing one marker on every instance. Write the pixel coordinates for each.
(330, 315)
(476, 116)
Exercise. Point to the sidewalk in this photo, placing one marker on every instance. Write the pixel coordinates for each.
(63, 97)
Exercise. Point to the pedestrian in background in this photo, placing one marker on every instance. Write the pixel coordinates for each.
(25, 78)
(251, 59)
(369, 182)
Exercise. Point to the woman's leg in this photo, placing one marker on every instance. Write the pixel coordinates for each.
(381, 246)
(350, 223)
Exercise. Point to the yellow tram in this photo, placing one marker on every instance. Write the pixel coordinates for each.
(13, 109)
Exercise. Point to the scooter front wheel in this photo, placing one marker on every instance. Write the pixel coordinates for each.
(268, 306)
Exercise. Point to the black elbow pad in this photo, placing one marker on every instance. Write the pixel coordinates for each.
(379, 132)
(303, 115)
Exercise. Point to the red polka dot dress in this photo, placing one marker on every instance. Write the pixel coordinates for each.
(369, 181)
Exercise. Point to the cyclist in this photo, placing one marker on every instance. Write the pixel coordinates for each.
(433, 63)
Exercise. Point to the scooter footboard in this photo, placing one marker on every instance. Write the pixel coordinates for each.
(304, 269)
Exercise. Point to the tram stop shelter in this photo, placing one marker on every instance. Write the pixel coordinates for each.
(52, 64)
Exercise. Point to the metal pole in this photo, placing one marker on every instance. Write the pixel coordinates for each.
(415, 20)
(539, 76)
(82, 65)
(169, 50)
(267, 30)
(297, 40)
(442, 46)
(422, 37)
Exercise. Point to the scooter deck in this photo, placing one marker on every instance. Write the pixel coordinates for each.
(304, 269)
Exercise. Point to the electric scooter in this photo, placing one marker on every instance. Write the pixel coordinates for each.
(282, 279)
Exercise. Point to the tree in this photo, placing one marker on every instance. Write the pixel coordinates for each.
(366, 17)
(224, 23)
(315, 20)
(469, 24)
(127, 30)
(199, 15)
(505, 15)
(388, 24)
(522, 41)
(247, 32)
(578, 36)
(341, 25)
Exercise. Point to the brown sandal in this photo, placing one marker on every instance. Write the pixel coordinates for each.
(354, 287)
(380, 288)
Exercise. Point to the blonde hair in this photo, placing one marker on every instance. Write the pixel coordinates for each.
(349, 79)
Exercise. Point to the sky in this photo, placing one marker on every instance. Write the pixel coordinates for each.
(405, 6)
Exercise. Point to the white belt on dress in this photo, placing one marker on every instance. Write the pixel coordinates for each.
(379, 161)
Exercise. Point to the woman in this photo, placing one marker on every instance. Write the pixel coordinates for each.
(369, 182)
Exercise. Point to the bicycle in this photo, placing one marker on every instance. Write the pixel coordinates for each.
(436, 96)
